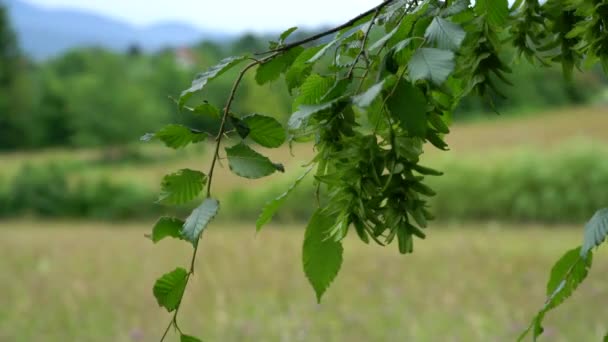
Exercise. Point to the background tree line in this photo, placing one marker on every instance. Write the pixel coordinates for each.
(92, 97)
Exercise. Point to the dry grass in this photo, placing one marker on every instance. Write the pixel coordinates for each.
(544, 130)
(92, 282)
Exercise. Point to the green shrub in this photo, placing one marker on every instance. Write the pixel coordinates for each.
(561, 186)
(44, 191)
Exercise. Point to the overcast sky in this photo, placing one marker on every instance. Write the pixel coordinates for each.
(224, 15)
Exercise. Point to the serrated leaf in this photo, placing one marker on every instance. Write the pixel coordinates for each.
(271, 207)
(246, 162)
(444, 34)
(321, 256)
(431, 64)
(300, 69)
(323, 50)
(272, 69)
(182, 186)
(199, 219)
(496, 11)
(189, 338)
(456, 7)
(167, 227)
(313, 90)
(596, 231)
(205, 77)
(176, 136)
(365, 99)
(566, 275)
(299, 119)
(337, 90)
(408, 104)
(169, 288)
(380, 42)
(265, 130)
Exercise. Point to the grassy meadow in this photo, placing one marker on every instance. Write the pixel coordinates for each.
(92, 281)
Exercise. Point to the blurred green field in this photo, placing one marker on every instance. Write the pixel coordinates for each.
(488, 136)
(466, 283)
(87, 281)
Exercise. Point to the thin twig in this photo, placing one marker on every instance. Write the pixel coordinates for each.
(166, 331)
(347, 24)
(365, 37)
(218, 141)
(218, 138)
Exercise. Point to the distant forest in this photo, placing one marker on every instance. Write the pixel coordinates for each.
(91, 96)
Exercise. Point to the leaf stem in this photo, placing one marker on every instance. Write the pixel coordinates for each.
(365, 38)
(220, 134)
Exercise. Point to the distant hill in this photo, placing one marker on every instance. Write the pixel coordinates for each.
(47, 32)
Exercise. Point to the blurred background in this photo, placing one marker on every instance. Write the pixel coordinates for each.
(81, 81)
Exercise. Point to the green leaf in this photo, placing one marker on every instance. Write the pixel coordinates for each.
(566, 275)
(404, 240)
(321, 256)
(287, 33)
(265, 130)
(445, 34)
(203, 78)
(433, 137)
(199, 219)
(380, 42)
(272, 69)
(431, 64)
(182, 186)
(176, 136)
(365, 99)
(595, 231)
(188, 338)
(206, 110)
(456, 7)
(408, 103)
(300, 69)
(241, 128)
(323, 50)
(167, 227)
(169, 288)
(246, 162)
(338, 89)
(313, 90)
(271, 207)
(426, 171)
(496, 11)
(438, 122)
(299, 119)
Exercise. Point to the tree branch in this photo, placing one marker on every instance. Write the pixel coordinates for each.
(365, 38)
(218, 141)
(317, 36)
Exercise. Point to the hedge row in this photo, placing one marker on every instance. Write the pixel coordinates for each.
(557, 187)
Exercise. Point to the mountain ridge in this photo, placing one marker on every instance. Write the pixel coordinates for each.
(44, 33)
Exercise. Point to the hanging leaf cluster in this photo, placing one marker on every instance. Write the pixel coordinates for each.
(370, 95)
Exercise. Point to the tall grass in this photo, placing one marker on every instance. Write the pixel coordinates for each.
(468, 283)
